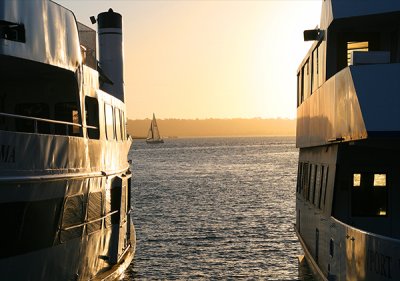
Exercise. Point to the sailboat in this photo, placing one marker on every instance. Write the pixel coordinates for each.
(153, 136)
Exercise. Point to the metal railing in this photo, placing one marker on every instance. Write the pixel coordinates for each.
(89, 222)
(50, 121)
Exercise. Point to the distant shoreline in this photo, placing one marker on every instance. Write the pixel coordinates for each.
(210, 137)
(239, 127)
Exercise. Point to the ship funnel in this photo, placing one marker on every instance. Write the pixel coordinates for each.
(111, 66)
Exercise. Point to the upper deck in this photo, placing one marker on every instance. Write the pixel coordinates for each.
(344, 94)
(52, 103)
(41, 31)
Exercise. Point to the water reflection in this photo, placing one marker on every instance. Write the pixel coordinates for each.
(220, 208)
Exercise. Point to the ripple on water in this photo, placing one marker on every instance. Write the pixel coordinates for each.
(215, 208)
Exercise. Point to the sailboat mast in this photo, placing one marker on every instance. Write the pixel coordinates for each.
(154, 121)
(154, 133)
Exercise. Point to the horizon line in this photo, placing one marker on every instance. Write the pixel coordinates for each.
(214, 118)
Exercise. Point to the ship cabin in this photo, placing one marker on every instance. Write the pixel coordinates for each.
(348, 112)
(56, 90)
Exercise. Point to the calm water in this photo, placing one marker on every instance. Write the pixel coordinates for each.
(215, 208)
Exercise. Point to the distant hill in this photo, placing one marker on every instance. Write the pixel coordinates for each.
(215, 127)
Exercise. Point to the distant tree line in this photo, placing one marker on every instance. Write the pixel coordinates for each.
(215, 127)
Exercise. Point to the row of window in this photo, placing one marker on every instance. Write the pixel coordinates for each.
(369, 195)
(312, 183)
(34, 225)
(97, 210)
(114, 119)
(115, 125)
(65, 111)
(309, 77)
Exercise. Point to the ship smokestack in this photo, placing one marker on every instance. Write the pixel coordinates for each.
(111, 53)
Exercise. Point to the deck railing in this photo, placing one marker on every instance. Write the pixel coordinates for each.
(49, 121)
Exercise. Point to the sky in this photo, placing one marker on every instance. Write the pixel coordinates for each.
(190, 59)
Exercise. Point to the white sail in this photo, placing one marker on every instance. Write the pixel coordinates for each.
(153, 136)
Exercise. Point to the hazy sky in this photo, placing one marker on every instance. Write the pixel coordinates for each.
(210, 58)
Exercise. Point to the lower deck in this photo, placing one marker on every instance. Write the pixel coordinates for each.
(65, 229)
(347, 210)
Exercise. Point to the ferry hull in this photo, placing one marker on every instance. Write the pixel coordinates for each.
(64, 174)
(350, 254)
(70, 223)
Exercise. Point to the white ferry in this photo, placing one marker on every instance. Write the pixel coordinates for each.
(64, 174)
(348, 135)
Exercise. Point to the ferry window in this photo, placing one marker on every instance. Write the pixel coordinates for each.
(118, 124)
(107, 206)
(72, 218)
(75, 119)
(113, 201)
(306, 80)
(68, 112)
(320, 65)
(347, 42)
(299, 90)
(356, 180)
(129, 194)
(314, 188)
(355, 46)
(124, 198)
(305, 177)
(379, 179)
(325, 183)
(94, 211)
(32, 226)
(315, 70)
(123, 125)
(39, 110)
(12, 31)
(108, 113)
(299, 172)
(306, 183)
(92, 117)
(318, 186)
(312, 184)
(369, 195)
(116, 203)
(322, 187)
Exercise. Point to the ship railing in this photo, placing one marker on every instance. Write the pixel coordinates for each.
(49, 121)
(363, 232)
(89, 222)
